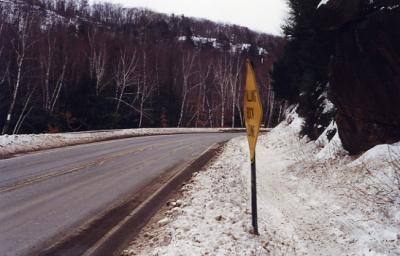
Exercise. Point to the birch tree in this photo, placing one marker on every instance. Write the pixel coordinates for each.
(52, 80)
(125, 75)
(222, 76)
(97, 63)
(25, 112)
(21, 47)
(145, 88)
(204, 74)
(234, 78)
(188, 64)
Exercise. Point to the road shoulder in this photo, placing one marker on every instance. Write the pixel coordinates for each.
(209, 215)
(109, 233)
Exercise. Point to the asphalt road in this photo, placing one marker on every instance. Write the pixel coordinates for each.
(46, 195)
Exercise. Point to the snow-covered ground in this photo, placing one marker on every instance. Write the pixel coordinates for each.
(20, 143)
(323, 2)
(313, 200)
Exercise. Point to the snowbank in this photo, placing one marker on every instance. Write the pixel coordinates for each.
(322, 200)
(313, 200)
(212, 218)
(14, 144)
(330, 149)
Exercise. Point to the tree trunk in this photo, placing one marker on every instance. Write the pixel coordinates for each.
(14, 96)
(182, 109)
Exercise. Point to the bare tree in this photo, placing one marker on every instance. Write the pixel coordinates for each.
(24, 113)
(270, 104)
(51, 88)
(125, 74)
(222, 75)
(270, 109)
(188, 61)
(21, 47)
(97, 61)
(145, 88)
(234, 79)
(204, 73)
(209, 113)
(239, 98)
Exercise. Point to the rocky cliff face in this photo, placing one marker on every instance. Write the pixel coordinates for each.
(365, 70)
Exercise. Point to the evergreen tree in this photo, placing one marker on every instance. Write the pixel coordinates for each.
(301, 74)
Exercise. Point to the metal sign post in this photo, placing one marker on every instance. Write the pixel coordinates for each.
(252, 110)
(254, 196)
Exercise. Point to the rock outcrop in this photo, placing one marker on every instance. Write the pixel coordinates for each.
(365, 71)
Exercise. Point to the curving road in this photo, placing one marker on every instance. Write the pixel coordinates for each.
(46, 195)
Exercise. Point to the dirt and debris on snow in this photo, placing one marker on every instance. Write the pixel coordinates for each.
(210, 218)
(313, 199)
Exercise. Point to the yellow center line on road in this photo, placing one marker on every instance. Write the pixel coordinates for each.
(5, 213)
(82, 166)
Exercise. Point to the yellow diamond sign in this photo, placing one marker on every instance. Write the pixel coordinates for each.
(252, 109)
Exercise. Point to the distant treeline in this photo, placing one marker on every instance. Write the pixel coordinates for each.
(69, 66)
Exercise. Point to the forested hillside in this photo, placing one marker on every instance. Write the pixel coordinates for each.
(71, 66)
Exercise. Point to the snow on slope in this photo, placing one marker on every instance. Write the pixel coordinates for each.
(13, 10)
(310, 203)
(323, 2)
(325, 201)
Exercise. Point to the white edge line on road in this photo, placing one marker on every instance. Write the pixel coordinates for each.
(100, 242)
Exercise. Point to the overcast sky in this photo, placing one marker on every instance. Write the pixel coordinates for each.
(261, 15)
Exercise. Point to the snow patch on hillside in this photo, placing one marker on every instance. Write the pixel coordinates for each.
(201, 41)
(14, 10)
